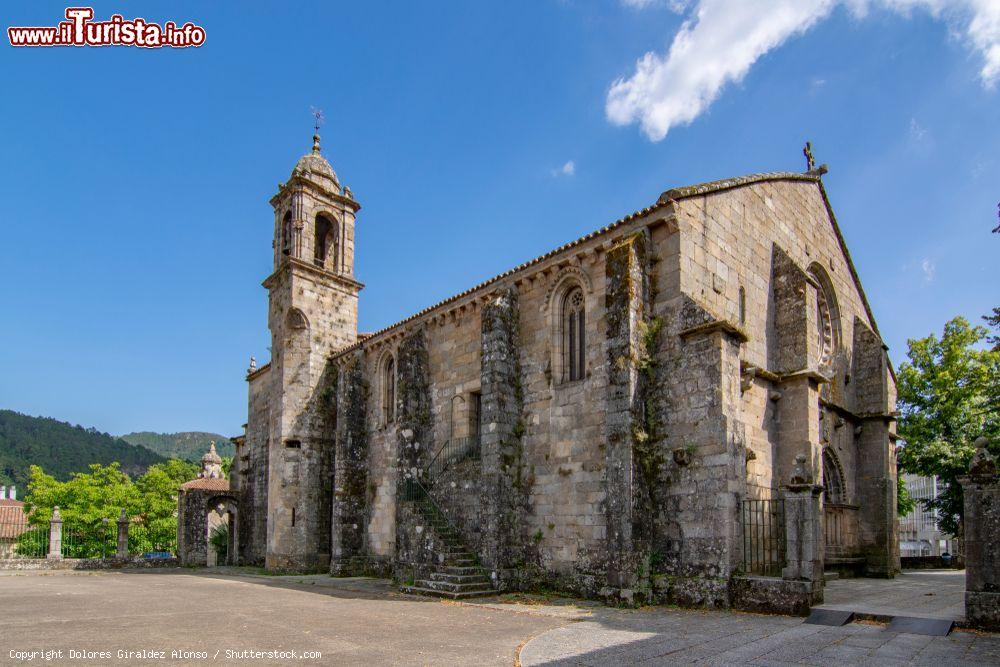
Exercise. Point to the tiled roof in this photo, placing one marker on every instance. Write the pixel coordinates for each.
(209, 484)
(13, 520)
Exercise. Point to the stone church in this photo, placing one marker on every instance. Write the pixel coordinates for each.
(630, 415)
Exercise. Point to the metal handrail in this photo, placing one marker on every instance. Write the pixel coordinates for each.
(453, 451)
(414, 491)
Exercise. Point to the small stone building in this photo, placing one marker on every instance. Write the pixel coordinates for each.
(616, 416)
(204, 504)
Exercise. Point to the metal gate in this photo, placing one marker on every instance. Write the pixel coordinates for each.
(764, 537)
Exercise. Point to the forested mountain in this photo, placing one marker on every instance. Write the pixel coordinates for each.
(61, 448)
(189, 445)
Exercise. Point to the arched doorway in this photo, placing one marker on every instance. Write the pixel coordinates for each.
(221, 531)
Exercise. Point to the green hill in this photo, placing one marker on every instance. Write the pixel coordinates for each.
(190, 445)
(61, 448)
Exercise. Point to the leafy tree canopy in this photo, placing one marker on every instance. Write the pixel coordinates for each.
(946, 395)
(86, 500)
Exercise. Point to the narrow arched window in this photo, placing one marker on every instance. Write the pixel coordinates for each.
(389, 391)
(824, 328)
(827, 317)
(324, 240)
(286, 234)
(833, 478)
(574, 322)
(743, 305)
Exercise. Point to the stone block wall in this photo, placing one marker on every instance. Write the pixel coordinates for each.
(253, 470)
(705, 376)
(350, 491)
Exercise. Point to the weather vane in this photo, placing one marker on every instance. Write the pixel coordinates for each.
(808, 152)
(318, 116)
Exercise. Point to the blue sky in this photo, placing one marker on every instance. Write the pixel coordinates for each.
(135, 183)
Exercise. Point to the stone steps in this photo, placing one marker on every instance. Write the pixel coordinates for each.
(449, 587)
(456, 575)
(431, 592)
(477, 578)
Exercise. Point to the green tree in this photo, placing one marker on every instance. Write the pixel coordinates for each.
(905, 503)
(944, 395)
(993, 319)
(90, 504)
(219, 540)
(156, 528)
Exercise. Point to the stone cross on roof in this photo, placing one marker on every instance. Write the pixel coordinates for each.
(808, 152)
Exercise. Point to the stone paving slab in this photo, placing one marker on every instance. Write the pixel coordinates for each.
(667, 636)
(365, 621)
(919, 593)
(348, 621)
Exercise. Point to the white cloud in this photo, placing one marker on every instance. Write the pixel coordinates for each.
(917, 131)
(928, 267)
(674, 5)
(567, 169)
(722, 39)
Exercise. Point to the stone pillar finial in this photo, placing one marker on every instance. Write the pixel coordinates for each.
(211, 464)
(983, 463)
(55, 534)
(981, 521)
(123, 524)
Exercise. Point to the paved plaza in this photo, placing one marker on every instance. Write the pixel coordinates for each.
(365, 621)
(923, 593)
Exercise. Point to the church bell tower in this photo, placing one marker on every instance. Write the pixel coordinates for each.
(313, 312)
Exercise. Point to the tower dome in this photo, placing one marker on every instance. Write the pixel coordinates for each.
(313, 166)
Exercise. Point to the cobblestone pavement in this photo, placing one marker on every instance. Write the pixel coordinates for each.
(676, 637)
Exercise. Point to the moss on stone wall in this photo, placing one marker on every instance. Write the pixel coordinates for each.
(351, 495)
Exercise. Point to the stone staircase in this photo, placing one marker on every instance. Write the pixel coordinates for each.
(456, 575)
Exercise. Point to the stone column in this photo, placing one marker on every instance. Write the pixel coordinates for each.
(981, 488)
(55, 535)
(123, 535)
(502, 430)
(350, 469)
(626, 288)
(803, 531)
(876, 471)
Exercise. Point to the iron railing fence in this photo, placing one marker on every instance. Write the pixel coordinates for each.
(98, 539)
(763, 536)
(452, 452)
(19, 538)
(152, 541)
